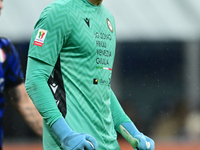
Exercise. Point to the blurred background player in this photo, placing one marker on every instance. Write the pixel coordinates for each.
(69, 69)
(12, 87)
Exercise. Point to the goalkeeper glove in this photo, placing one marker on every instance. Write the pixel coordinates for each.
(71, 140)
(135, 138)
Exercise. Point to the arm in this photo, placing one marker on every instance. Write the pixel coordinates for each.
(41, 62)
(37, 75)
(118, 114)
(37, 88)
(15, 90)
(127, 128)
(21, 101)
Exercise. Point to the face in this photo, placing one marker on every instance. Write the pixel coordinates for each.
(1, 5)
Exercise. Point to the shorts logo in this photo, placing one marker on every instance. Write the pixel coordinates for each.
(109, 25)
(40, 37)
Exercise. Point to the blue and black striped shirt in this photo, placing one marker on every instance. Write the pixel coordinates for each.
(11, 73)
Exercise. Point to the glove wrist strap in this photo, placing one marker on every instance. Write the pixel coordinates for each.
(61, 129)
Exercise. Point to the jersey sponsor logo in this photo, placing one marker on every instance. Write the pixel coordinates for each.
(105, 82)
(40, 37)
(87, 21)
(2, 56)
(95, 81)
(109, 25)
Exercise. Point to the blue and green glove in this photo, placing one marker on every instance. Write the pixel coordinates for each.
(138, 140)
(71, 140)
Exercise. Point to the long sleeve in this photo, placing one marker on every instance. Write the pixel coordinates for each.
(50, 33)
(118, 114)
(36, 85)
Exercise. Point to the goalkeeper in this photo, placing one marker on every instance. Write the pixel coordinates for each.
(69, 69)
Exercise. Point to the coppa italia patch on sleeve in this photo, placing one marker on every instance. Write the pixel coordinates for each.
(40, 37)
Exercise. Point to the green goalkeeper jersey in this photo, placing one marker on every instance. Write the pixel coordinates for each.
(78, 40)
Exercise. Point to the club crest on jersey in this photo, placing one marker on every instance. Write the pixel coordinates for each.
(40, 37)
(109, 25)
(2, 56)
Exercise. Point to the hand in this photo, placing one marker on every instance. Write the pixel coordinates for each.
(71, 140)
(136, 138)
(145, 143)
(79, 141)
